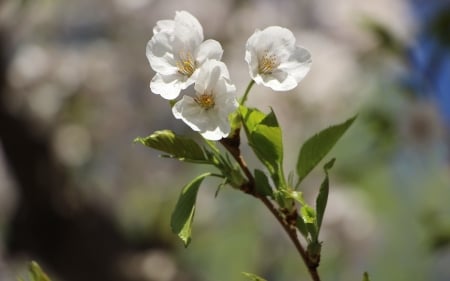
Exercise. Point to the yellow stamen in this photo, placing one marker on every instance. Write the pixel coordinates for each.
(267, 63)
(186, 65)
(206, 101)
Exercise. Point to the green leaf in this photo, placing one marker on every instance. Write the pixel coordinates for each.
(219, 187)
(229, 170)
(315, 148)
(251, 117)
(253, 277)
(280, 197)
(293, 194)
(366, 276)
(175, 146)
(262, 184)
(313, 250)
(308, 214)
(265, 138)
(322, 197)
(301, 226)
(183, 215)
(37, 273)
(386, 39)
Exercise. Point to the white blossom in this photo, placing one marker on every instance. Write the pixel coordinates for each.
(176, 52)
(275, 60)
(215, 99)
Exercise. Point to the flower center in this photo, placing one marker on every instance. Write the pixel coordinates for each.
(206, 101)
(186, 65)
(267, 63)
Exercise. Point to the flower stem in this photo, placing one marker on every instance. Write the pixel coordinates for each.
(288, 225)
(247, 90)
(292, 233)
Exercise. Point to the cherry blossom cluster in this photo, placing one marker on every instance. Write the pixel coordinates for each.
(181, 57)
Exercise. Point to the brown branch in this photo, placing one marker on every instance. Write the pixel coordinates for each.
(292, 233)
(52, 222)
(232, 145)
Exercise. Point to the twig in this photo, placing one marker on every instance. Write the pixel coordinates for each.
(233, 147)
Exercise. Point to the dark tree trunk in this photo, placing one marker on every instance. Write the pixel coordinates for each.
(51, 223)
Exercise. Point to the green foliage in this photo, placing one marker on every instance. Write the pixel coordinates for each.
(308, 215)
(265, 138)
(315, 148)
(181, 148)
(229, 170)
(386, 39)
(35, 273)
(262, 184)
(310, 220)
(293, 194)
(183, 215)
(253, 277)
(311, 153)
(322, 198)
(366, 277)
(301, 226)
(251, 117)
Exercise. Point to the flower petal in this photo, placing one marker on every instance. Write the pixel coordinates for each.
(279, 81)
(226, 96)
(272, 39)
(159, 54)
(168, 86)
(217, 133)
(252, 60)
(283, 64)
(164, 26)
(188, 30)
(209, 74)
(217, 126)
(187, 20)
(212, 122)
(209, 49)
(298, 64)
(188, 110)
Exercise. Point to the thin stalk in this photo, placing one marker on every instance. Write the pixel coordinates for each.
(292, 233)
(235, 152)
(247, 90)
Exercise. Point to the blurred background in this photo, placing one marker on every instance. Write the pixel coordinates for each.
(78, 197)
